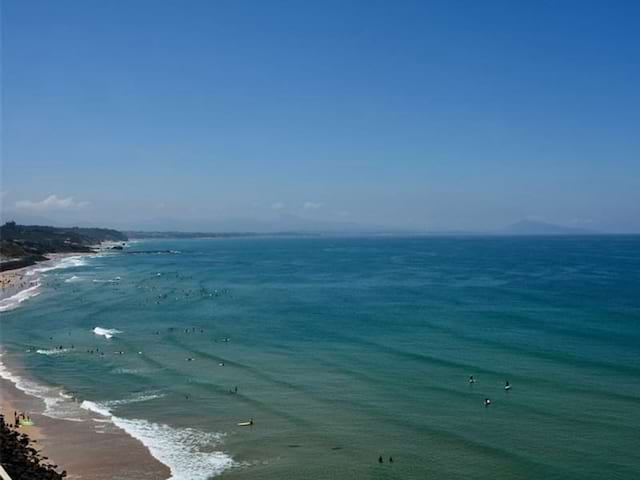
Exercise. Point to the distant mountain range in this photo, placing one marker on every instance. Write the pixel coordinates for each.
(279, 224)
(530, 227)
(287, 223)
(295, 225)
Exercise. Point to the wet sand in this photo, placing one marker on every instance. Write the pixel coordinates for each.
(13, 281)
(78, 447)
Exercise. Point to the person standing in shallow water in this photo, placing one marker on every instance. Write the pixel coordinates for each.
(380, 459)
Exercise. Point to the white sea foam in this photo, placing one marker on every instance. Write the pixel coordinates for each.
(106, 332)
(143, 397)
(53, 351)
(96, 408)
(65, 262)
(131, 371)
(185, 451)
(55, 400)
(102, 420)
(111, 280)
(73, 279)
(12, 302)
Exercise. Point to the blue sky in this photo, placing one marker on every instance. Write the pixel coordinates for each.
(421, 115)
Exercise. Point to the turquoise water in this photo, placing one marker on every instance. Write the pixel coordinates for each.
(344, 349)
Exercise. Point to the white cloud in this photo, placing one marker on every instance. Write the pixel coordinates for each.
(277, 206)
(52, 202)
(311, 205)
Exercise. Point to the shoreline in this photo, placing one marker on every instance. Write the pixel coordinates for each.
(91, 447)
(15, 282)
(77, 447)
(11, 280)
(18, 285)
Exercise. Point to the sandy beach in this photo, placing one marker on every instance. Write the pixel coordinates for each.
(77, 447)
(13, 281)
(19, 282)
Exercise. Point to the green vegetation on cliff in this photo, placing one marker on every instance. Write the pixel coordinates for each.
(33, 242)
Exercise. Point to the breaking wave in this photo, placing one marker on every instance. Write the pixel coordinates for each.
(56, 401)
(53, 351)
(12, 302)
(66, 262)
(106, 332)
(189, 453)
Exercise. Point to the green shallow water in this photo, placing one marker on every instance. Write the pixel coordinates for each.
(344, 349)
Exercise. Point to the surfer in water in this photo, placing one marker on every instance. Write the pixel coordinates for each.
(507, 386)
(487, 402)
(471, 379)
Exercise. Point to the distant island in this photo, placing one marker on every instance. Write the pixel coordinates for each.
(24, 245)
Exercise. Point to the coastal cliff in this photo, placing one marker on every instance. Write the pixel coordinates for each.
(24, 245)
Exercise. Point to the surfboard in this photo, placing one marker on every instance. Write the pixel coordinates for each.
(245, 424)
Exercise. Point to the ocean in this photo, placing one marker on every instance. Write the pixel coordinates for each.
(345, 350)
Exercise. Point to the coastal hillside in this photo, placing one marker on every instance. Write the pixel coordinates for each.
(33, 242)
